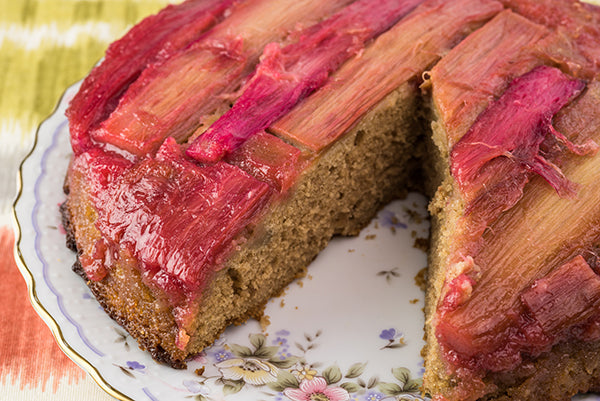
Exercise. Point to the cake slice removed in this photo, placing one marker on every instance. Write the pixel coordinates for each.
(176, 250)
(513, 303)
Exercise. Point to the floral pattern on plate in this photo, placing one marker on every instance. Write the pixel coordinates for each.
(284, 376)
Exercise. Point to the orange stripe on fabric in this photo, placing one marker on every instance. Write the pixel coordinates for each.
(28, 352)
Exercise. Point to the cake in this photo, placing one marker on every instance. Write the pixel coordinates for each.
(212, 161)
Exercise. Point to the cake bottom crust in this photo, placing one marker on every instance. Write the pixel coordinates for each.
(568, 369)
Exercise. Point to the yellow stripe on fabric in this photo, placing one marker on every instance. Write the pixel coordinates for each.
(31, 37)
(47, 45)
(67, 12)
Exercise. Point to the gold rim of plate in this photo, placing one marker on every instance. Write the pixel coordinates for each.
(31, 284)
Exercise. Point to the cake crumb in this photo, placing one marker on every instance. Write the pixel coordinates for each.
(376, 225)
(422, 244)
(296, 307)
(351, 250)
(310, 277)
(265, 321)
(200, 371)
(300, 283)
(421, 279)
(393, 229)
(413, 234)
(302, 273)
(413, 215)
(282, 303)
(370, 236)
(281, 293)
(414, 301)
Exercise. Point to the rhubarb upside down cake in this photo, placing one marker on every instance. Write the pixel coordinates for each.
(221, 144)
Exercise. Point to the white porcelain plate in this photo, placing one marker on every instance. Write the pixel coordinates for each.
(351, 329)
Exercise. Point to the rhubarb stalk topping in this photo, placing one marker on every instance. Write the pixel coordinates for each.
(151, 41)
(515, 296)
(504, 142)
(171, 97)
(287, 75)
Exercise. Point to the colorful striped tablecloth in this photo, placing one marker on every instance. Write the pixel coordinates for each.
(45, 46)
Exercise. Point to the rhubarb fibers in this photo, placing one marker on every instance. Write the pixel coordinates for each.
(287, 75)
(171, 98)
(151, 41)
(512, 129)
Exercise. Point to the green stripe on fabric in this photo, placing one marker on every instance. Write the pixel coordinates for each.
(47, 45)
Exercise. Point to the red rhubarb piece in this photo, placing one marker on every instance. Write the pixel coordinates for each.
(173, 97)
(269, 159)
(287, 75)
(562, 305)
(154, 39)
(568, 296)
(509, 134)
(179, 220)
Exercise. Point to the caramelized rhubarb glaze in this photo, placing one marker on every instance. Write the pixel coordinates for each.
(170, 96)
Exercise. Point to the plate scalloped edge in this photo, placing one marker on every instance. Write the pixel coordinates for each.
(28, 276)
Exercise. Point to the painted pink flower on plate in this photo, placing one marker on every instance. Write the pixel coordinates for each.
(316, 390)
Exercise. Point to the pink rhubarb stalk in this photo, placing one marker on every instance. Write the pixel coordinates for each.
(152, 40)
(173, 97)
(287, 75)
(513, 128)
(429, 32)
